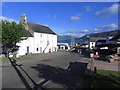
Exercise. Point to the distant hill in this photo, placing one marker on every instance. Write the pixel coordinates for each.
(102, 34)
(63, 39)
(67, 39)
(84, 39)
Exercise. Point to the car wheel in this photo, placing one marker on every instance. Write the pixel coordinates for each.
(111, 60)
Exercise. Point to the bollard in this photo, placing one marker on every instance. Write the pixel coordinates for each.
(95, 70)
(94, 76)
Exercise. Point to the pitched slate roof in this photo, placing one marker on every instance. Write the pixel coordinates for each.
(96, 38)
(39, 28)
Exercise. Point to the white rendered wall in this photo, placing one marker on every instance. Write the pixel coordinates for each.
(38, 44)
(92, 44)
(41, 40)
(23, 46)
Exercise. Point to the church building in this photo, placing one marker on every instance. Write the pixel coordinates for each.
(41, 40)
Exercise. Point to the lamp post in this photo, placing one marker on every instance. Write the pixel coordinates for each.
(72, 41)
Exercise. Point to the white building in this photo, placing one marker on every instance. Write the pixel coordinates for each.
(94, 40)
(63, 46)
(116, 40)
(42, 39)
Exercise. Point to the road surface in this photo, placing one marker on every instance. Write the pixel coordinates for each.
(52, 66)
(60, 69)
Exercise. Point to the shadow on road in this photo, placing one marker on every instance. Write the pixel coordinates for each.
(71, 78)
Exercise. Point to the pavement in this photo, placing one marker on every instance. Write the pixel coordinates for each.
(60, 69)
(103, 65)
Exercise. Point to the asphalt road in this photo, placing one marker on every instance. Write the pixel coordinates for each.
(42, 67)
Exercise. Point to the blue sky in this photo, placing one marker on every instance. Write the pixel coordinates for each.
(66, 18)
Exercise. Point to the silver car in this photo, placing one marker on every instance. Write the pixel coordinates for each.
(113, 57)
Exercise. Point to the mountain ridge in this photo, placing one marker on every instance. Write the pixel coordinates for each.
(67, 38)
(101, 34)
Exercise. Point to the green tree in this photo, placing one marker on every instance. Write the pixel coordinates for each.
(12, 33)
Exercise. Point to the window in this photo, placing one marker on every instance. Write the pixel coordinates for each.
(48, 42)
(41, 42)
(41, 35)
(37, 49)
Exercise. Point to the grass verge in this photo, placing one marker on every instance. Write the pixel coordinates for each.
(107, 79)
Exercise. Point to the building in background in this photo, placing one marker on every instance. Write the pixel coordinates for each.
(63, 46)
(116, 40)
(96, 41)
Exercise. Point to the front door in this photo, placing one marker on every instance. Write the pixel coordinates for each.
(27, 49)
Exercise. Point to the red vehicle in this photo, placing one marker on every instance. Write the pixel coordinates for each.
(96, 56)
(103, 53)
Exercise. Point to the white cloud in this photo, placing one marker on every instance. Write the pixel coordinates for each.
(96, 29)
(106, 28)
(76, 17)
(113, 10)
(110, 26)
(88, 8)
(77, 33)
(8, 19)
(114, 25)
(85, 30)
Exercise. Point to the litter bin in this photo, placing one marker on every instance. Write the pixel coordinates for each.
(91, 55)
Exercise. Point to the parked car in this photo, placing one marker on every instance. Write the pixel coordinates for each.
(113, 57)
(96, 56)
(102, 53)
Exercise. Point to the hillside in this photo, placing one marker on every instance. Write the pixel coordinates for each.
(83, 39)
(63, 38)
(67, 39)
(103, 34)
